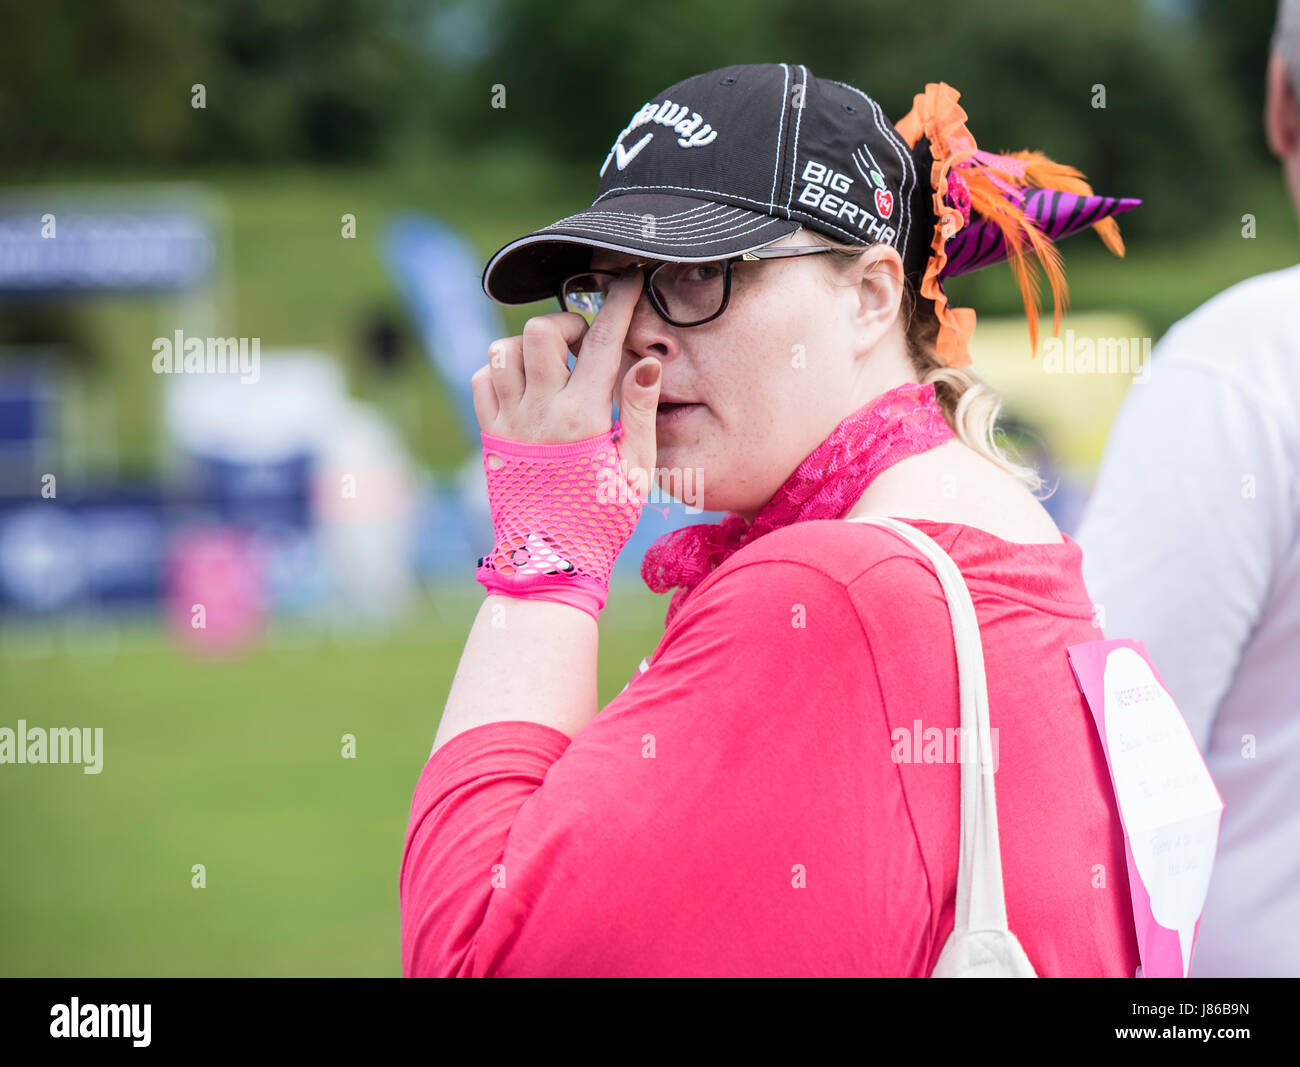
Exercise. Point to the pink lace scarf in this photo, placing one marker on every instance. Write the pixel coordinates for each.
(902, 422)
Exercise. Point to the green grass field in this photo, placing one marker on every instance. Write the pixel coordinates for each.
(236, 765)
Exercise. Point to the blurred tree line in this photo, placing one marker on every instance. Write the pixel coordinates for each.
(108, 83)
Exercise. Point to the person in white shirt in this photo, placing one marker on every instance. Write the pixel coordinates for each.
(1191, 543)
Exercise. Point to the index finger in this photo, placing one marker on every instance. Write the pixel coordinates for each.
(601, 351)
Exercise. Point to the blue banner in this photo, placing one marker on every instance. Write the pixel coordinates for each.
(56, 248)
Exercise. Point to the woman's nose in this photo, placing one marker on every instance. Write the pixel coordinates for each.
(647, 333)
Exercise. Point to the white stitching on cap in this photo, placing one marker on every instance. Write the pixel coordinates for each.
(904, 194)
(680, 188)
(635, 229)
(864, 147)
(687, 214)
(698, 238)
(704, 209)
(905, 218)
(866, 178)
(720, 213)
(707, 215)
(886, 131)
(878, 116)
(711, 227)
(745, 218)
(857, 163)
(794, 162)
(776, 166)
(734, 196)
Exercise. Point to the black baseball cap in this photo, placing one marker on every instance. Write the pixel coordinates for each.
(731, 161)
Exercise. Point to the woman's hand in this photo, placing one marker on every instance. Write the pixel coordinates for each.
(527, 393)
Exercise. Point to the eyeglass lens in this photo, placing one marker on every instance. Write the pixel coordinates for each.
(687, 292)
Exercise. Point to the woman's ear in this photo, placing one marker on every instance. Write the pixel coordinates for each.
(1281, 110)
(880, 288)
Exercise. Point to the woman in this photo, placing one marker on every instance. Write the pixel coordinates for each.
(769, 795)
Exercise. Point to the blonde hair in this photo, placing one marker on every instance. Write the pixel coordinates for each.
(969, 404)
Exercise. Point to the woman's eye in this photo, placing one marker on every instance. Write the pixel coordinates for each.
(704, 272)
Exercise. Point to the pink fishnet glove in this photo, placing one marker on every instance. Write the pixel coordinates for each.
(561, 513)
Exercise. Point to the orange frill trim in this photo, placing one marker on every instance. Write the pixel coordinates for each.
(937, 116)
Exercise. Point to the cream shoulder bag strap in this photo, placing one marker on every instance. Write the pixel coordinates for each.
(981, 945)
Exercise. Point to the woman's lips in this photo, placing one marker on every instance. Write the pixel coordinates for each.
(668, 414)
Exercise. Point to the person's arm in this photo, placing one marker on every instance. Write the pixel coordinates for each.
(1186, 525)
(527, 660)
(714, 786)
(530, 658)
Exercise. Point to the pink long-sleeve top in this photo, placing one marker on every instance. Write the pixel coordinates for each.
(769, 797)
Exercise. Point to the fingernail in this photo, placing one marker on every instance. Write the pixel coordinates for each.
(647, 374)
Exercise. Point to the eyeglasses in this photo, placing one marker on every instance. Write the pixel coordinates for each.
(682, 294)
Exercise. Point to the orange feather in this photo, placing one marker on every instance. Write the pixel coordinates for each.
(1018, 230)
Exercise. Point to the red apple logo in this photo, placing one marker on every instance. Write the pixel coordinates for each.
(884, 203)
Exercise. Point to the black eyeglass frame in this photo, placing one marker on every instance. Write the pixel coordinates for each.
(650, 267)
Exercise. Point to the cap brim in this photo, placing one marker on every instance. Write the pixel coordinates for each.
(677, 228)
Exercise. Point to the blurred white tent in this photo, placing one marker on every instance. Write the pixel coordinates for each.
(363, 482)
